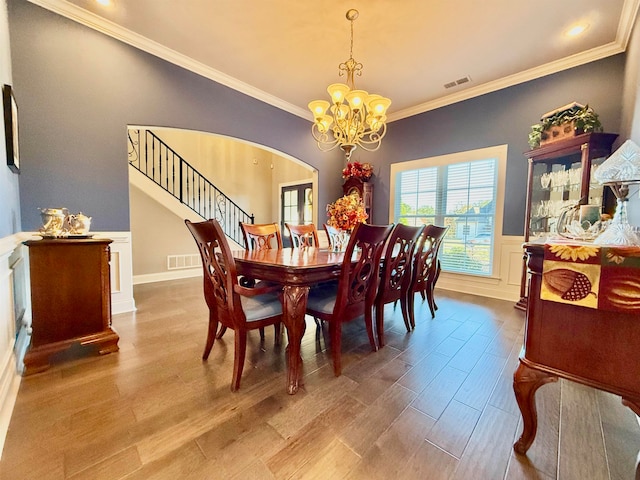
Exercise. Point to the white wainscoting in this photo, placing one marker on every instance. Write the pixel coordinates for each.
(503, 285)
(121, 265)
(9, 374)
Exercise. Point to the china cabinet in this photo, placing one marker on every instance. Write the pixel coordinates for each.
(559, 176)
(362, 188)
(70, 298)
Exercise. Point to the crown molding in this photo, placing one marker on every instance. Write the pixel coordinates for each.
(511, 80)
(88, 19)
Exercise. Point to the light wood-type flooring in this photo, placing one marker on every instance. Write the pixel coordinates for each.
(436, 403)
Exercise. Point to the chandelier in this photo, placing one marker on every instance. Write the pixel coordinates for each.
(354, 117)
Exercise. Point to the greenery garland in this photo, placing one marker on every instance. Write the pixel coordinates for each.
(585, 120)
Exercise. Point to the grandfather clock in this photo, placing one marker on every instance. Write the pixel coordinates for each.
(363, 189)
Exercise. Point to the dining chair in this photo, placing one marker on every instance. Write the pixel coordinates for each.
(230, 304)
(303, 235)
(426, 270)
(395, 275)
(333, 234)
(354, 294)
(260, 236)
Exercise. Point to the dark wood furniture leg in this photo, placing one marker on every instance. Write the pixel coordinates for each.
(634, 405)
(526, 381)
(294, 306)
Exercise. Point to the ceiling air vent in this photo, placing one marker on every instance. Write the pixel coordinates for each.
(460, 81)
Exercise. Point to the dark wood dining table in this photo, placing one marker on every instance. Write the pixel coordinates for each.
(297, 269)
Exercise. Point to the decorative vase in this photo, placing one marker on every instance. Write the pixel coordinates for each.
(341, 240)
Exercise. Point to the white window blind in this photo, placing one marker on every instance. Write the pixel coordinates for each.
(461, 195)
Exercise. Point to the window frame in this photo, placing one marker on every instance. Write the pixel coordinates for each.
(499, 152)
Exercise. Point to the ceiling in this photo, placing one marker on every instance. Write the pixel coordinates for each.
(286, 52)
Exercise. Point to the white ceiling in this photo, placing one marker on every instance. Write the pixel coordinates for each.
(286, 52)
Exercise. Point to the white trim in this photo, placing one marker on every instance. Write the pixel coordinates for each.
(504, 285)
(9, 386)
(88, 19)
(572, 61)
(499, 152)
(165, 276)
(9, 374)
(121, 270)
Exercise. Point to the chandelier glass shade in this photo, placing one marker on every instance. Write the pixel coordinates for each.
(353, 117)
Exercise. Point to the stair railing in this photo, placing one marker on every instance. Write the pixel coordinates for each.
(150, 155)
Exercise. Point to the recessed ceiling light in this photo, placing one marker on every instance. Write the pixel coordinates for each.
(577, 30)
(106, 3)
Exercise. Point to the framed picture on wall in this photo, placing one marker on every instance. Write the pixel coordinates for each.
(10, 108)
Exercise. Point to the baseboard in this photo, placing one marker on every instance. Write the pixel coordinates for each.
(165, 276)
(497, 289)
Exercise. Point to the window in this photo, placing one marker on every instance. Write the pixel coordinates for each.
(461, 191)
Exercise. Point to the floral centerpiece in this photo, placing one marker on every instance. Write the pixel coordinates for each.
(363, 171)
(344, 214)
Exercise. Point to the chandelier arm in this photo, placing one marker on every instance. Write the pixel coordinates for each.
(322, 139)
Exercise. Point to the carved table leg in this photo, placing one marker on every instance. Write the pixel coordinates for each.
(526, 381)
(295, 305)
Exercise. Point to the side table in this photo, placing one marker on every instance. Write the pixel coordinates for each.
(70, 298)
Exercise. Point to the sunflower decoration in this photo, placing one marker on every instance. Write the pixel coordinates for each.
(574, 252)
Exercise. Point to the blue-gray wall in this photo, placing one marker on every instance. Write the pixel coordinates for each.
(79, 89)
(503, 117)
(9, 192)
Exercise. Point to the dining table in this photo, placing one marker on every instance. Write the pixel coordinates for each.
(297, 269)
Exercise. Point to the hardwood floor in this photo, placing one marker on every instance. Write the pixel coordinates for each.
(437, 403)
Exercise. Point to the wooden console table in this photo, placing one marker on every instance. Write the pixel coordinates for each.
(582, 324)
(70, 298)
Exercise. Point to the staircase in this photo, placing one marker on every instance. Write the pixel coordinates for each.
(157, 161)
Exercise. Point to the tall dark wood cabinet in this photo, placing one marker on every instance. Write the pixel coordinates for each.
(559, 175)
(70, 298)
(363, 189)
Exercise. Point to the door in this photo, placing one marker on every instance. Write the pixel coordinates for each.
(297, 207)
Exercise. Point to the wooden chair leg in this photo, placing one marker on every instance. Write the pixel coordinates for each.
(411, 298)
(430, 301)
(221, 332)
(335, 332)
(404, 306)
(238, 358)
(211, 335)
(277, 330)
(368, 321)
(262, 334)
(380, 324)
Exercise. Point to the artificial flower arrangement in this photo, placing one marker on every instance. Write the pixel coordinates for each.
(346, 212)
(363, 171)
